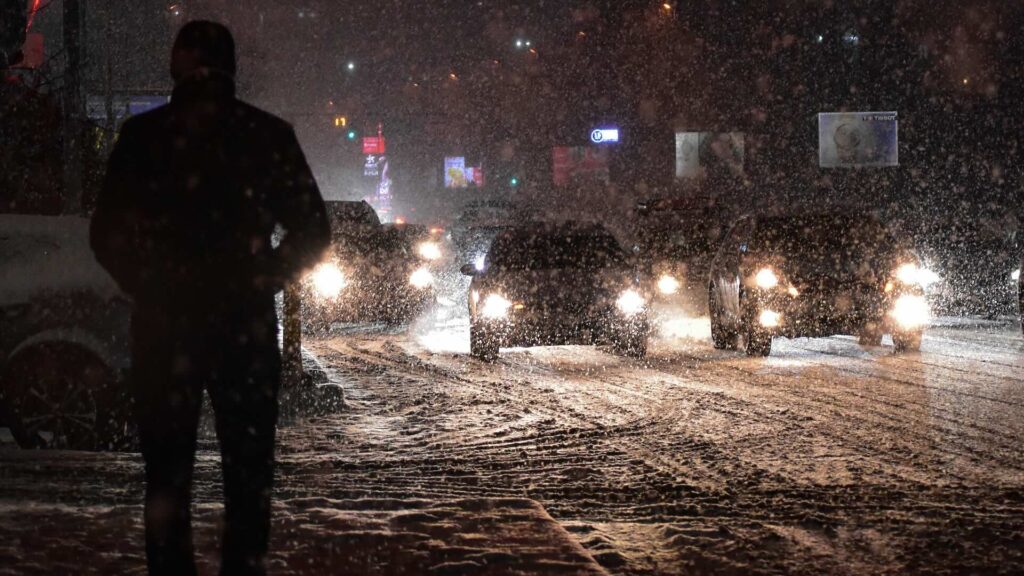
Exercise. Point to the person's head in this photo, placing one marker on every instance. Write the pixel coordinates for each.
(202, 44)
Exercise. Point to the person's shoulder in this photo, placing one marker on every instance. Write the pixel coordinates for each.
(261, 119)
(146, 121)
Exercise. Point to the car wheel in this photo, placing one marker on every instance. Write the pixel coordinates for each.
(869, 335)
(721, 337)
(907, 341)
(482, 344)
(631, 344)
(757, 342)
(62, 396)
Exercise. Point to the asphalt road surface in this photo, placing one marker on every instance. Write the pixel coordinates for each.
(825, 458)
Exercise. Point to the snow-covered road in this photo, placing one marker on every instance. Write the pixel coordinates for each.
(824, 458)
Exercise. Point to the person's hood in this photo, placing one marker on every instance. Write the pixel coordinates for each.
(203, 85)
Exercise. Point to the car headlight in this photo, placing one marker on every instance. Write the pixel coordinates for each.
(495, 307)
(630, 302)
(421, 278)
(1015, 275)
(911, 273)
(429, 250)
(328, 280)
(766, 278)
(910, 311)
(668, 284)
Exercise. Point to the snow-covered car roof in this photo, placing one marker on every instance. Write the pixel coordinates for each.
(47, 254)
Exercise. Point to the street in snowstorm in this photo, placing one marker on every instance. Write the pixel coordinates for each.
(825, 458)
(531, 287)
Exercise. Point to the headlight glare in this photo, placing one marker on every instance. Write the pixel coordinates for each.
(495, 307)
(668, 284)
(766, 278)
(769, 318)
(328, 280)
(910, 311)
(421, 278)
(429, 250)
(1015, 275)
(630, 302)
(911, 273)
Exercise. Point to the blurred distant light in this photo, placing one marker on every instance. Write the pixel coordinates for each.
(819, 38)
(453, 76)
(399, 220)
(421, 278)
(667, 7)
(1015, 275)
(351, 135)
(965, 81)
(851, 38)
(519, 43)
(351, 66)
(514, 181)
(478, 262)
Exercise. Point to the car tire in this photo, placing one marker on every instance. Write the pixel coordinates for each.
(906, 341)
(482, 344)
(62, 396)
(632, 345)
(869, 335)
(721, 337)
(757, 342)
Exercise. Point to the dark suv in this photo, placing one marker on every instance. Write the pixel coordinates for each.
(814, 275)
(551, 284)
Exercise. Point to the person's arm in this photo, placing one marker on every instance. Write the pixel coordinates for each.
(301, 214)
(114, 229)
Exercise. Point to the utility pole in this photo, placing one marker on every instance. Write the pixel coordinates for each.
(74, 104)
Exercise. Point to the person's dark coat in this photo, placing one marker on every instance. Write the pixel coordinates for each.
(193, 195)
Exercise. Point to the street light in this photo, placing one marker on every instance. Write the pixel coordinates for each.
(351, 66)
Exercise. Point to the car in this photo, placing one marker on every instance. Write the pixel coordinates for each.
(372, 272)
(481, 221)
(553, 284)
(64, 342)
(812, 275)
(676, 240)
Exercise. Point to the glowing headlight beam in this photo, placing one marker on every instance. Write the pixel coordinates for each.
(630, 302)
(766, 278)
(770, 318)
(910, 311)
(668, 284)
(328, 280)
(421, 278)
(495, 307)
(911, 273)
(429, 250)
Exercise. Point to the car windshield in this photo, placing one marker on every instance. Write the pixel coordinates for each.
(820, 236)
(540, 251)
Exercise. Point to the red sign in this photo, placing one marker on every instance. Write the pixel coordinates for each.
(373, 145)
(574, 164)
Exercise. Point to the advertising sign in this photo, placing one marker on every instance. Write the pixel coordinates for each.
(852, 139)
(576, 164)
(372, 166)
(604, 135)
(698, 153)
(458, 175)
(455, 172)
(374, 145)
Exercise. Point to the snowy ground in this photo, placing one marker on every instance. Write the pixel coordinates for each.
(824, 458)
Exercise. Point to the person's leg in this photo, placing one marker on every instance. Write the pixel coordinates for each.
(244, 398)
(167, 391)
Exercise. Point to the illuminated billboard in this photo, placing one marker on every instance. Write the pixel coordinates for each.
(604, 135)
(458, 175)
(700, 153)
(852, 139)
(579, 164)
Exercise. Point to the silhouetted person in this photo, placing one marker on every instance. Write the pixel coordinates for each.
(194, 192)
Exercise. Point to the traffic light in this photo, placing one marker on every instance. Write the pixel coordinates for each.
(514, 181)
(351, 135)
